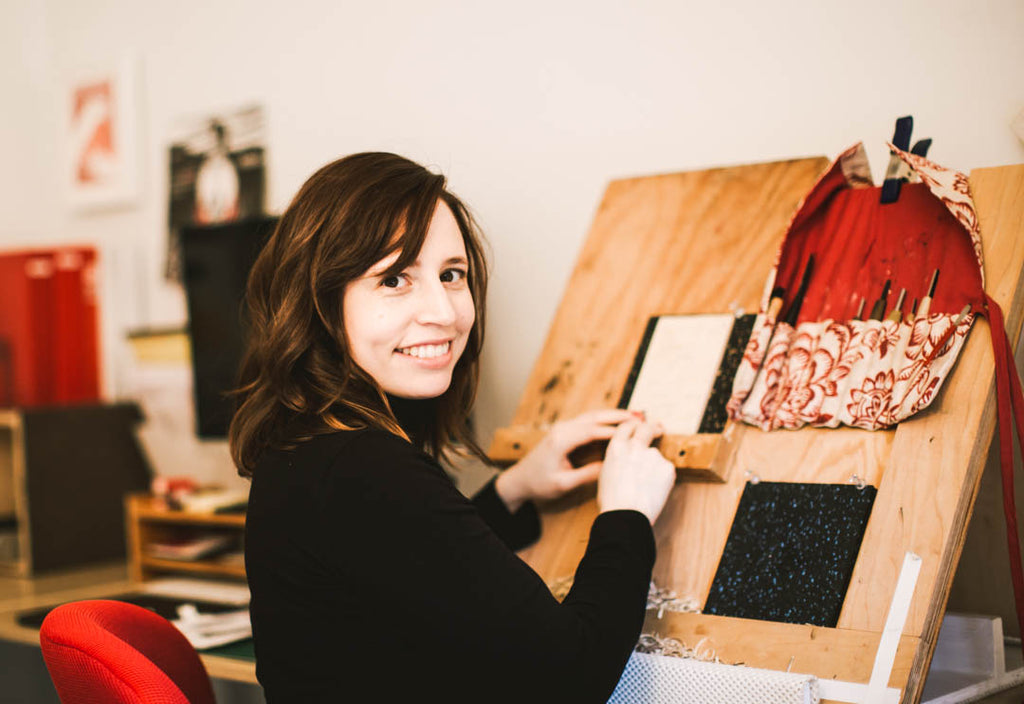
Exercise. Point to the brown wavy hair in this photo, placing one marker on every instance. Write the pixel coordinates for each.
(297, 378)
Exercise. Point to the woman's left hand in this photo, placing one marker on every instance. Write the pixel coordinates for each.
(546, 472)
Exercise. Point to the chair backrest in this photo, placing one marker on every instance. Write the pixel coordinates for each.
(114, 652)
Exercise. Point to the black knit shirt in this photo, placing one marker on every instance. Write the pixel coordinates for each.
(372, 577)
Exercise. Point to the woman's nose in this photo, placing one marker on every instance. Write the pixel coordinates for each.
(436, 305)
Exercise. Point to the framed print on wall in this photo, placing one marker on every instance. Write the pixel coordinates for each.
(102, 137)
(217, 173)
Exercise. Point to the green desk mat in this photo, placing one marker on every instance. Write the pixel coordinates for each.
(239, 650)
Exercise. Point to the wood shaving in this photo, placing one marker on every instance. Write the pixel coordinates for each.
(661, 600)
(656, 645)
(658, 599)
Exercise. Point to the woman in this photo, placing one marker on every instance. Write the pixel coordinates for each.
(371, 575)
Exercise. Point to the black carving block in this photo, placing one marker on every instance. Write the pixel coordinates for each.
(790, 552)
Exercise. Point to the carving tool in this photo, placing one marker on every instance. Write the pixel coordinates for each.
(913, 313)
(860, 309)
(921, 147)
(905, 333)
(897, 312)
(798, 300)
(775, 304)
(878, 310)
(947, 337)
(897, 171)
(926, 302)
(963, 314)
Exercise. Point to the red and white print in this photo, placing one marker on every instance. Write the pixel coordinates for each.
(867, 374)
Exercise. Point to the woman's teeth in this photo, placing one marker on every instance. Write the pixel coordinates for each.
(426, 351)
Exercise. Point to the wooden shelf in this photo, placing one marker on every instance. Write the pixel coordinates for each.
(13, 568)
(215, 567)
(150, 508)
(149, 520)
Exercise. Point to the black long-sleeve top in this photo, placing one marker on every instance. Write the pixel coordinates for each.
(372, 576)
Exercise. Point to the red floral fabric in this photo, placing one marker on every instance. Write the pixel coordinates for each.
(831, 369)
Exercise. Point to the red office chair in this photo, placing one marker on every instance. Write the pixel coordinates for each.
(106, 652)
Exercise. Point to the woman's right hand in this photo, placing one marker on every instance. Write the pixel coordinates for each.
(635, 475)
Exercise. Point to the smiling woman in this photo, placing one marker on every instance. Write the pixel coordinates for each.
(300, 376)
(407, 330)
(366, 327)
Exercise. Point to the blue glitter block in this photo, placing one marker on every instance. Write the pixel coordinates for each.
(790, 552)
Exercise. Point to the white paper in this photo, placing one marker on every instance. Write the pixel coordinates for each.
(679, 369)
(212, 630)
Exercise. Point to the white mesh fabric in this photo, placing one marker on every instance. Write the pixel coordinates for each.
(657, 679)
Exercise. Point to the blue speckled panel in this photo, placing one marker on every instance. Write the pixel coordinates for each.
(791, 552)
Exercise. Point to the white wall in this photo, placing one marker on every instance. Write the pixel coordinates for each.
(530, 108)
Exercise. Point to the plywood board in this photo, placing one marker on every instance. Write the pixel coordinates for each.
(704, 242)
(697, 242)
(827, 653)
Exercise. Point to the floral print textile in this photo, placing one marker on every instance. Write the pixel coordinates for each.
(864, 373)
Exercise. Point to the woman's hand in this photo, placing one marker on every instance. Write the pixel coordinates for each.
(635, 475)
(546, 472)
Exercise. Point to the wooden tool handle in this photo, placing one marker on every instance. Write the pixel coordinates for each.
(693, 455)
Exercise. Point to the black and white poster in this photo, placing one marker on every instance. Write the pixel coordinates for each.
(217, 174)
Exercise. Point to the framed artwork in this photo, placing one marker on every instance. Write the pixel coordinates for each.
(102, 137)
(216, 174)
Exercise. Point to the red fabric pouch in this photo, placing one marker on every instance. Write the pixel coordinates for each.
(831, 368)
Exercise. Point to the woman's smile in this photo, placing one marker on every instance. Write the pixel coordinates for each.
(433, 356)
(427, 351)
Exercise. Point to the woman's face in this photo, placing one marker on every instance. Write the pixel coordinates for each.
(407, 331)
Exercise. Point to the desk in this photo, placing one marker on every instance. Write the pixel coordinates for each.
(18, 595)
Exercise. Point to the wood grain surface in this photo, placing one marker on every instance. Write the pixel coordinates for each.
(702, 242)
(827, 653)
(696, 242)
(951, 443)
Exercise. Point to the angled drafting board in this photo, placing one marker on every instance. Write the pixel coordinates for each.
(703, 242)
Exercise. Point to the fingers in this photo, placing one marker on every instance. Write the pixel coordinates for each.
(586, 474)
(646, 432)
(589, 426)
(606, 416)
(637, 431)
(624, 432)
(603, 424)
(634, 474)
(572, 434)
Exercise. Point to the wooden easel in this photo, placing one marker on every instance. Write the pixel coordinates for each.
(703, 242)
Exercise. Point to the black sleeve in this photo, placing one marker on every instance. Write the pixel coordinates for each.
(516, 530)
(426, 551)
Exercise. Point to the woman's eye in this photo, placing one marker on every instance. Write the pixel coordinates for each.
(453, 275)
(394, 281)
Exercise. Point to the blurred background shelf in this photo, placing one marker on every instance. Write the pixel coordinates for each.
(150, 521)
